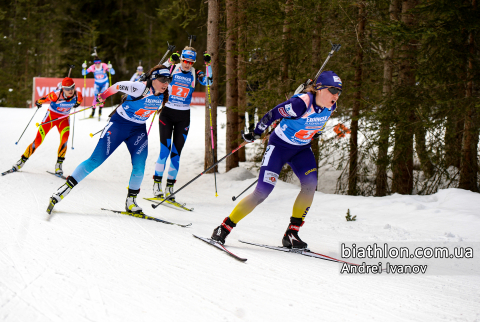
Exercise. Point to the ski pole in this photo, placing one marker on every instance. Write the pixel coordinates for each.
(38, 124)
(110, 84)
(191, 37)
(93, 134)
(211, 131)
(170, 48)
(235, 198)
(27, 126)
(73, 131)
(70, 70)
(274, 125)
(335, 48)
(156, 112)
(173, 194)
(84, 88)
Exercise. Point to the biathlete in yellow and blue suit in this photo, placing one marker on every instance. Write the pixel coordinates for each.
(302, 117)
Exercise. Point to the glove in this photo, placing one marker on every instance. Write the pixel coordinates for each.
(100, 100)
(207, 58)
(38, 104)
(316, 135)
(200, 74)
(84, 65)
(143, 78)
(77, 104)
(250, 137)
(175, 57)
(109, 66)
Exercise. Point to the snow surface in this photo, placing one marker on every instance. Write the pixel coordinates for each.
(85, 264)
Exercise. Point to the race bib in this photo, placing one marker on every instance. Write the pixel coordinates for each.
(144, 113)
(180, 91)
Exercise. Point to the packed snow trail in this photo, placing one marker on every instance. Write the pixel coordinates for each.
(85, 264)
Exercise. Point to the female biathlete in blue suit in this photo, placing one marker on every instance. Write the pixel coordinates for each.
(126, 125)
(174, 120)
(302, 116)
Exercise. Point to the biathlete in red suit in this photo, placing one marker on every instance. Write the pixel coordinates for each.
(61, 102)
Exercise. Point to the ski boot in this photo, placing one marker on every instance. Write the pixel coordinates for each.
(169, 189)
(20, 163)
(157, 187)
(291, 239)
(222, 231)
(61, 193)
(131, 202)
(58, 166)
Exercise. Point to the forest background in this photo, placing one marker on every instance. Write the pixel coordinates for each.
(410, 72)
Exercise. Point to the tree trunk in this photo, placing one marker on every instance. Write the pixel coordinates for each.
(242, 75)
(212, 49)
(381, 181)
(469, 162)
(232, 86)
(353, 162)
(402, 164)
(286, 50)
(316, 62)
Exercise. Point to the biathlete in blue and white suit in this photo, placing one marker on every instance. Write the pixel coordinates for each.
(99, 71)
(126, 125)
(174, 120)
(302, 117)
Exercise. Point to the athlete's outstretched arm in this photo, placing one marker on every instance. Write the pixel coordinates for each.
(293, 108)
(134, 89)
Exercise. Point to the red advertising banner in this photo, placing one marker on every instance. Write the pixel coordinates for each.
(198, 98)
(44, 85)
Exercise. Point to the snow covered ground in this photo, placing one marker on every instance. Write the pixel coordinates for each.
(85, 264)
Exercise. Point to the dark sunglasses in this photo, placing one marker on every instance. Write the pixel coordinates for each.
(335, 90)
(188, 62)
(164, 79)
(69, 88)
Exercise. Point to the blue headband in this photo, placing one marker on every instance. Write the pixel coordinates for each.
(189, 54)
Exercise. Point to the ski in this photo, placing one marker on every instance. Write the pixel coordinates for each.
(9, 171)
(305, 252)
(157, 200)
(216, 244)
(57, 175)
(142, 215)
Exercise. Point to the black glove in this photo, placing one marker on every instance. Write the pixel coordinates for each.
(316, 135)
(200, 74)
(77, 104)
(143, 77)
(175, 57)
(207, 58)
(38, 104)
(250, 137)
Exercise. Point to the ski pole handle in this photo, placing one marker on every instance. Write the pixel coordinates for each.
(170, 48)
(335, 47)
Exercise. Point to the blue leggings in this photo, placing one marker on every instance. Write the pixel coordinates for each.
(119, 130)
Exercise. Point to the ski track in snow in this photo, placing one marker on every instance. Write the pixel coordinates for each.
(85, 264)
